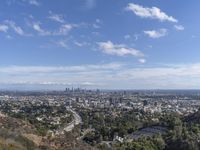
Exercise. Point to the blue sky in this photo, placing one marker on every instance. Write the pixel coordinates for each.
(108, 44)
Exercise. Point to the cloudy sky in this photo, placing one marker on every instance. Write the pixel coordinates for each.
(107, 44)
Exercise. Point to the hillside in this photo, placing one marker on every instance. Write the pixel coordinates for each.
(16, 134)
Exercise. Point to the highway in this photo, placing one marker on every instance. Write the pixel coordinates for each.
(76, 121)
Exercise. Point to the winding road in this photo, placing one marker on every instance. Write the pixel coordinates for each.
(76, 121)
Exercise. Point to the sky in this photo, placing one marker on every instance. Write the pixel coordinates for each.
(105, 44)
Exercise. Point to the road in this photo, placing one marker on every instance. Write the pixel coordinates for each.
(84, 133)
(76, 121)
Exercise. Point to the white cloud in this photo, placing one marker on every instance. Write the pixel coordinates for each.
(16, 28)
(97, 24)
(34, 2)
(61, 31)
(36, 26)
(87, 84)
(62, 43)
(182, 70)
(179, 27)
(64, 29)
(81, 44)
(56, 17)
(153, 13)
(112, 75)
(127, 36)
(118, 49)
(59, 69)
(3, 28)
(98, 20)
(142, 60)
(20, 2)
(85, 75)
(156, 33)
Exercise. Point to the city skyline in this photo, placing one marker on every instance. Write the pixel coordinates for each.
(106, 44)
